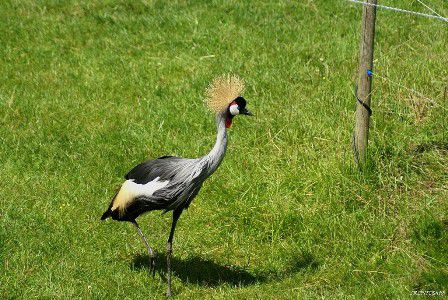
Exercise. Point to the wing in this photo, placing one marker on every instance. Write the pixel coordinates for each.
(166, 183)
(165, 167)
(184, 179)
(136, 193)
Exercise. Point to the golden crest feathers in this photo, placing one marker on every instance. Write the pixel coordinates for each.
(222, 91)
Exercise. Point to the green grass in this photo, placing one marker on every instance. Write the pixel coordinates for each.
(88, 89)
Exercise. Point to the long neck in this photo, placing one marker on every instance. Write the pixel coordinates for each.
(216, 155)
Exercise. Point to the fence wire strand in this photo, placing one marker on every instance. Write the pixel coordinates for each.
(432, 10)
(434, 102)
(438, 17)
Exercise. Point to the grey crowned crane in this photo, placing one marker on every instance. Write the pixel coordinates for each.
(170, 183)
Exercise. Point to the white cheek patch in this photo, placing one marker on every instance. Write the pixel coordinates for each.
(234, 110)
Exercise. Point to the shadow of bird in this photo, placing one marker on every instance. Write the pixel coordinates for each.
(200, 271)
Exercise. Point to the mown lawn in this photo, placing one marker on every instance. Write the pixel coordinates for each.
(88, 89)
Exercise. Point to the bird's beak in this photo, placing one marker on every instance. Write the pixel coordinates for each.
(247, 112)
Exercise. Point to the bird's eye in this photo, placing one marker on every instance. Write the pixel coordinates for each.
(234, 109)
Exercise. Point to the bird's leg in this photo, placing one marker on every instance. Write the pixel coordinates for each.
(152, 262)
(169, 249)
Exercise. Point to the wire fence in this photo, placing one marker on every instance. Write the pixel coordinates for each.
(435, 15)
(413, 91)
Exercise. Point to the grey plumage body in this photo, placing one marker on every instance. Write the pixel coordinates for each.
(184, 177)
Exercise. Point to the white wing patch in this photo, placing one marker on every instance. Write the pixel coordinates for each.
(130, 190)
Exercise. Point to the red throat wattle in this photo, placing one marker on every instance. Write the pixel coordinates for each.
(228, 122)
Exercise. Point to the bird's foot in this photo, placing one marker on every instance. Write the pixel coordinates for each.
(152, 265)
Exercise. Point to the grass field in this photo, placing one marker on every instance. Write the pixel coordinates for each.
(88, 89)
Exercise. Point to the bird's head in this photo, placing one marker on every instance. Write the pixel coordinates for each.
(224, 98)
(236, 107)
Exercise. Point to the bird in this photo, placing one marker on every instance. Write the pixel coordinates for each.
(170, 183)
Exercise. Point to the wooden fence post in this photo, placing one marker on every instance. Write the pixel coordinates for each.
(364, 83)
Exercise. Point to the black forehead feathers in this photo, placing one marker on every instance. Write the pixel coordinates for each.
(241, 102)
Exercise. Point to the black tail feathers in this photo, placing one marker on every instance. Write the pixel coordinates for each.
(106, 215)
(108, 212)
